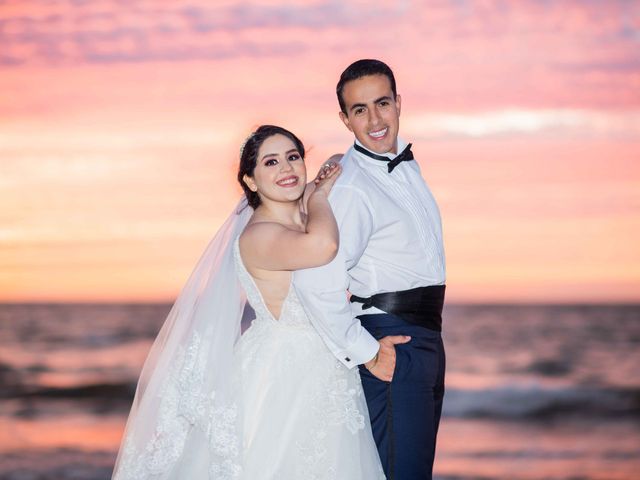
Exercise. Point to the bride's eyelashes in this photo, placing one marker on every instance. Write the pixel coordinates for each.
(270, 162)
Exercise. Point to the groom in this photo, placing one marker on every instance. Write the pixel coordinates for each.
(391, 259)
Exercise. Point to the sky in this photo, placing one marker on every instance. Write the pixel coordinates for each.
(121, 122)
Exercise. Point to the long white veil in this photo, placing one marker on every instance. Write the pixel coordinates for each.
(183, 423)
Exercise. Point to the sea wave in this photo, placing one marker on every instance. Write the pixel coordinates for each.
(57, 464)
(542, 403)
(506, 402)
(97, 390)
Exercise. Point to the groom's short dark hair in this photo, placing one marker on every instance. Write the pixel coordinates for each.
(362, 68)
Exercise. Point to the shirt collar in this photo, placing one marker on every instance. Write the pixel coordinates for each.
(401, 146)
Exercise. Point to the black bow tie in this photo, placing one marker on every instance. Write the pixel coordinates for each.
(403, 156)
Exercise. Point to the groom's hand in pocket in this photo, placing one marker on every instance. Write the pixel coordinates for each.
(383, 364)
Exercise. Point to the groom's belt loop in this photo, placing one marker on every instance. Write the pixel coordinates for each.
(421, 306)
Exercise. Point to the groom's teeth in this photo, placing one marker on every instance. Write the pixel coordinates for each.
(379, 133)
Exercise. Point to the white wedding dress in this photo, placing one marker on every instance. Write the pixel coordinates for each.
(270, 404)
(305, 416)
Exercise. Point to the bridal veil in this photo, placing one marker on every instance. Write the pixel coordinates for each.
(183, 422)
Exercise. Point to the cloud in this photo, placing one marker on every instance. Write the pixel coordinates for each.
(71, 32)
(518, 123)
(98, 31)
(529, 53)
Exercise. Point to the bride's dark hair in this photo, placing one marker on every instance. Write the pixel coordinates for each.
(249, 156)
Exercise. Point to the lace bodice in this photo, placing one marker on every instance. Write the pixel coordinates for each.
(291, 313)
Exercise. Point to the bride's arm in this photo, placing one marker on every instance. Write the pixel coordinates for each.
(272, 246)
(311, 186)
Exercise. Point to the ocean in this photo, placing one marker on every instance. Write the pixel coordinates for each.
(533, 391)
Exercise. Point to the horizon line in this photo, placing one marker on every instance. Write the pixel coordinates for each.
(620, 303)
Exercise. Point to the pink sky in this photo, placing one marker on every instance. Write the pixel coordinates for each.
(120, 127)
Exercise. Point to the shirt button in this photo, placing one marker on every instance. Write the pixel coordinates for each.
(347, 359)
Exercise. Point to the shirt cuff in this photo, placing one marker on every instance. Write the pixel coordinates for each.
(361, 352)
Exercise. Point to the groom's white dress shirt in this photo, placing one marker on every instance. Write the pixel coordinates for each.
(390, 240)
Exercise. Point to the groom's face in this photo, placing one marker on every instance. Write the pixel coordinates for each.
(373, 114)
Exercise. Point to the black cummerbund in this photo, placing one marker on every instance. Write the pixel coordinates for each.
(421, 306)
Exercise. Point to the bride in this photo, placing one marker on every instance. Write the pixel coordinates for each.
(272, 402)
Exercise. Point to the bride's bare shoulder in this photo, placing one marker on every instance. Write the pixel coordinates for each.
(259, 231)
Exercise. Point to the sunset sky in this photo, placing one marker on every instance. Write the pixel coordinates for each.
(120, 124)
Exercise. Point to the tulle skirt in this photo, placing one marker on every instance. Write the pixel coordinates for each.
(305, 415)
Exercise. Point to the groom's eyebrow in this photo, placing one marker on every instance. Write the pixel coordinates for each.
(386, 97)
(377, 100)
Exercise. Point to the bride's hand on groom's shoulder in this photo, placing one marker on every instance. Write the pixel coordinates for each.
(335, 158)
(327, 165)
(312, 185)
(383, 364)
(327, 176)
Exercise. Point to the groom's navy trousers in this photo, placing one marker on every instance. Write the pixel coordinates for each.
(405, 413)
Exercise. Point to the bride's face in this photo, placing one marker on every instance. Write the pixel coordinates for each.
(280, 174)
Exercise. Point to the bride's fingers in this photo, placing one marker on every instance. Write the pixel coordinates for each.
(327, 172)
(331, 171)
(322, 174)
(332, 167)
(328, 166)
(323, 177)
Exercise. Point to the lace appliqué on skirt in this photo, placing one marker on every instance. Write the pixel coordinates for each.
(334, 408)
(185, 405)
